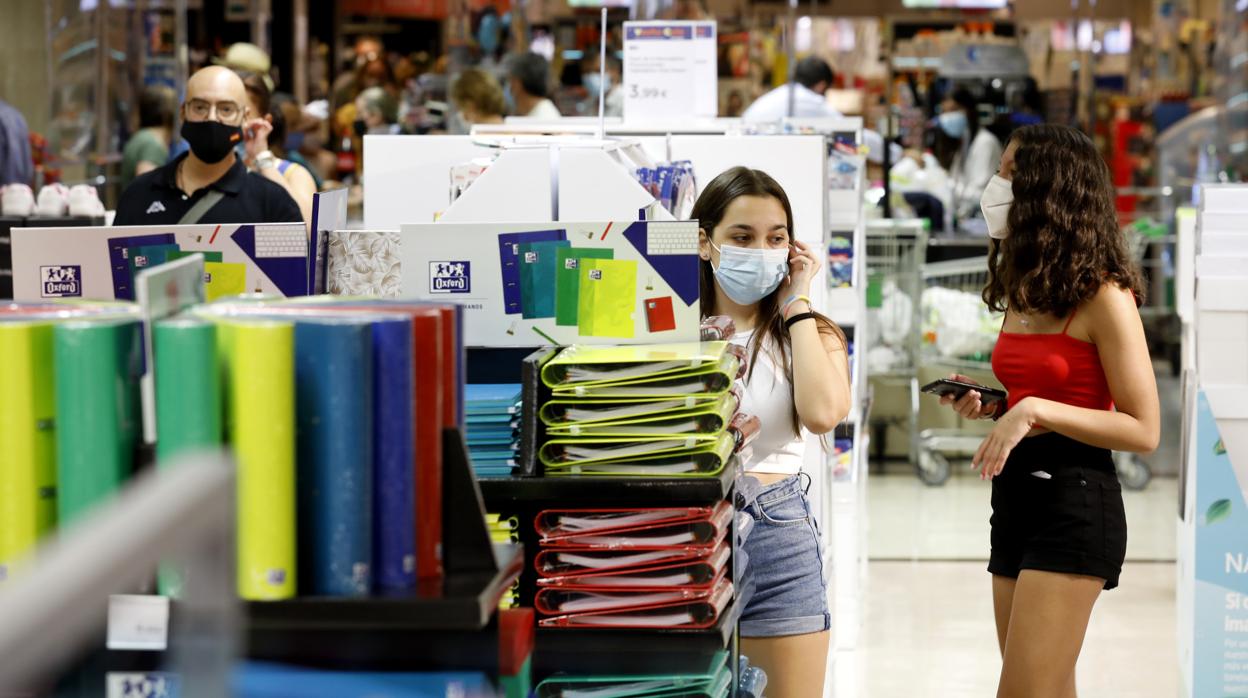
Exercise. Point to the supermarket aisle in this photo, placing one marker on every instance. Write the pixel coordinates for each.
(928, 631)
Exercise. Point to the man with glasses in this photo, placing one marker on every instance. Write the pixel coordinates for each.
(210, 184)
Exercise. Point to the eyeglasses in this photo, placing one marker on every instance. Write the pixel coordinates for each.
(229, 113)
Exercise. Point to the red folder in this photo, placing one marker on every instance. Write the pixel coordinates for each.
(695, 574)
(634, 529)
(559, 562)
(667, 609)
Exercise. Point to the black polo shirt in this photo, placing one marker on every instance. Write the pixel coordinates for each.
(155, 199)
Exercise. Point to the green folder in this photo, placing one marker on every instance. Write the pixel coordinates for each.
(713, 682)
(537, 278)
(584, 365)
(711, 379)
(608, 298)
(568, 280)
(703, 419)
(686, 456)
(565, 411)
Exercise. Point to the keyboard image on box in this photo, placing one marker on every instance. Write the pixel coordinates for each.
(281, 241)
(671, 238)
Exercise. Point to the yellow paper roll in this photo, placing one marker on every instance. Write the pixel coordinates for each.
(27, 439)
(262, 422)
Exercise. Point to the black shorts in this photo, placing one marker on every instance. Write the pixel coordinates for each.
(1072, 521)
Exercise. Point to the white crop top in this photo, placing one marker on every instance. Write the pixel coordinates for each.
(767, 396)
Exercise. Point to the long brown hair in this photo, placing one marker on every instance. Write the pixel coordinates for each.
(709, 212)
(1064, 241)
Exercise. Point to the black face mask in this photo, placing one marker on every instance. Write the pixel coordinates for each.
(360, 126)
(211, 141)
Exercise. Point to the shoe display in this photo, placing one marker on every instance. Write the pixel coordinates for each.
(17, 200)
(84, 200)
(53, 201)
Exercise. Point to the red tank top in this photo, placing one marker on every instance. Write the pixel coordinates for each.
(1051, 366)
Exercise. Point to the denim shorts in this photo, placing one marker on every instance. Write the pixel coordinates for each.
(785, 569)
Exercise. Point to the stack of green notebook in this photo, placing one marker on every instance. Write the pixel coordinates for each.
(640, 410)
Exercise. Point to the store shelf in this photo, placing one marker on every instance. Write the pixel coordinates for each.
(842, 305)
(503, 493)
(465, 602)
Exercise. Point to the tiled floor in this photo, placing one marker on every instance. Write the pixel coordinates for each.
(911, 521)
(928, 631)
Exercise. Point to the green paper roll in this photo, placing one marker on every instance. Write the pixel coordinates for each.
(262, 421)
(97, 365)
(188, 402)
(188, 388)
(27, 439)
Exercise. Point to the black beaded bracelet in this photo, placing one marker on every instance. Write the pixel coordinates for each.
(788, 324)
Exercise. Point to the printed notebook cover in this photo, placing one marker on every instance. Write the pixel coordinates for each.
(705, 459)
(715, 379)
(582, 364)
(607, 298)
(562, 562)
(665, 609)
(699, 528)
(695, 574)
(568, 280)
(706, 419)
(537, 278)
(509, 262)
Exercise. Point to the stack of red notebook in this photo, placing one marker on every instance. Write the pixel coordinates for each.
(634, 568)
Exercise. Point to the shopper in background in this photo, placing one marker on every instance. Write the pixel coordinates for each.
(348, 85)
(16, 165)
(978, 150)
(265, 127)
(478, 99)
(610, 83)
(1073, 356)
(528, 87)
(243, 57)
(209, 184)
(294, 133)
(377, 113)
(754, 271)
(148, 148)
(812, 78)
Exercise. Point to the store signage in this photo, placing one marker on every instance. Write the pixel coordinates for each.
(1219, 606)
(138, 622)
(414, 9)
(670, 70)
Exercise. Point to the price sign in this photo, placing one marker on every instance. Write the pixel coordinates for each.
(670, 70)
(138, 622)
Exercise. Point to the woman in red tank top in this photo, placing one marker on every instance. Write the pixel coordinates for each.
(1073, 357)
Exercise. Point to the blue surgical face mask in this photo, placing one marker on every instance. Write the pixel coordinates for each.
(748, 275)
(953, 123)
(596, 84)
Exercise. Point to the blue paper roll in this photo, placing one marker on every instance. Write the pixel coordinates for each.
(334, 405)
(394, 527)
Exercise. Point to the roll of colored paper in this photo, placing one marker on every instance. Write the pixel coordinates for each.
(97, 365)
(27, 439)
(334, 396)
(394, 528)
(188, 387)
(261, 401)
(188, 402)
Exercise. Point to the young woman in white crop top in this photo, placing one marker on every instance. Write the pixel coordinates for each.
(755, 272)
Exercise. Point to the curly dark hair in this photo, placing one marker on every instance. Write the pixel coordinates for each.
(1064, 241)
(709, 211)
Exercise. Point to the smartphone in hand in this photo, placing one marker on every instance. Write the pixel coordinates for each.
(948, 386)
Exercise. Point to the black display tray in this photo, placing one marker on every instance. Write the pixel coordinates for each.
(504, 493)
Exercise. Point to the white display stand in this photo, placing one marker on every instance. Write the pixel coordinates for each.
(1212, 585)
(408, 178)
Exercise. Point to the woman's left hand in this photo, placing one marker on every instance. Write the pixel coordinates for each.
(1010, 429)
(803, 264)
(256, 137)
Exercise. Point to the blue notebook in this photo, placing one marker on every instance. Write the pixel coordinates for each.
(334, 418)
(509, 261)
(394, 524)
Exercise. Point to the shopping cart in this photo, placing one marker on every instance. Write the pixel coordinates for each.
(958, 333)
(896, 250)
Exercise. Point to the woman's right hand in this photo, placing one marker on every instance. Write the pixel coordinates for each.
(969, 405)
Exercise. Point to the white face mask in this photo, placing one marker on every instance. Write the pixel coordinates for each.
(995, 205)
